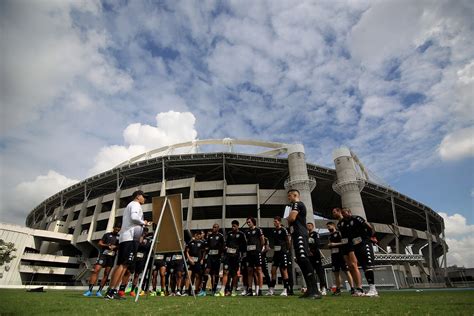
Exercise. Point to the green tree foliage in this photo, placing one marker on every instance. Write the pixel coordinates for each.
(6, 252)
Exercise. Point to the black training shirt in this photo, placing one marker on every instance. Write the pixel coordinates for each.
(110, 239)
(343, 227)
(335, 237)
(236, 240)
(313, 241)
(299, 225)
(280, 239)
(215, 242)
(253, 238)
(195, 248)
(358, 228)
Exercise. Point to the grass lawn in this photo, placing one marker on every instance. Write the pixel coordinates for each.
(443, 302)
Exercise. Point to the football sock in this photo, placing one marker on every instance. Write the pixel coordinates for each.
(369, 275)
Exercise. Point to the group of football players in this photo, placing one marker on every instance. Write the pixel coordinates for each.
(240, 257)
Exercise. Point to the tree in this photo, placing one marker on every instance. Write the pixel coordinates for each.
(6, 252)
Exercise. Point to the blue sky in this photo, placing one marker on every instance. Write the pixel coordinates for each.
(88, 84)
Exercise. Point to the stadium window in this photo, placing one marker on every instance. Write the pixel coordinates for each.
(148, 216)
(209, 193)
(183, 191)
(101, 225)
(151, 195)
(106, 207)
(207, 212)
(240, 211)
(90, 211)
(118, 219)
(76, 215)
(124, 201)
(185, 213)
(85, 229)
(270, 211)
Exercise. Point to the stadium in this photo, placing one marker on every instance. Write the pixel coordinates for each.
(222, 180)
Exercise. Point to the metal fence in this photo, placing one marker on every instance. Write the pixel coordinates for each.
(385, 277)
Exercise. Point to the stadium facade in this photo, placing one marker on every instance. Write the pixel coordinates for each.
(59, 244)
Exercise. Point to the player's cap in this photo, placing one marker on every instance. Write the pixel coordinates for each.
(138, 193)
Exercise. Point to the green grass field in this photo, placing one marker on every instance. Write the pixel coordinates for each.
(19, 302)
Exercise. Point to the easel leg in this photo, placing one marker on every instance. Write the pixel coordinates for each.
(152, 246)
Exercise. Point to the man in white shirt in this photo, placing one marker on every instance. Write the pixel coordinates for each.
(132, 229)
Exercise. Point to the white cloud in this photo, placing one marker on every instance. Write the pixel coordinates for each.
(28, 194)
(110, 156)
(456, 225)
(379, 106)
(460, 251)
(458, 145)
(465, 92)
(460, 239)
(46, 55)
(387, 29)
(171, 128)
(43, 186)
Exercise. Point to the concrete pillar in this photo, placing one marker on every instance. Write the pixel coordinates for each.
(430, 246)
(348, 185)
(386, 240)
(113, 210)
(163, 178)
(92, 227)
(395, 225)
(224, 197)
(445, 268)
(299, 178)
(189, 217)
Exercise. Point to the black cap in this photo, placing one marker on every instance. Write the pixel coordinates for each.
(137, 193)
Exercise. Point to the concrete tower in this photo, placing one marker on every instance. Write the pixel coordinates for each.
(299, 178)
(348, 185)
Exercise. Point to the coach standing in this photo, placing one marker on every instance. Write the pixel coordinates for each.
(299, 234)
(132, 230)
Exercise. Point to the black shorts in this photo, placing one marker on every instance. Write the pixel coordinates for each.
(177, 265)
(137, 266)
(159, 262)
(195, 268)
(281, 259)
(231, 264)
(316, 260)
(345, 249)
(364, 252)
(126, 253)
(300, 244)
(254, 259)
(213, 264)
(169, 264)
(338, 263)
(105, 261)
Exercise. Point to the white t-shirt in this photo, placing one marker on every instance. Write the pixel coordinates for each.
(132, 222)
